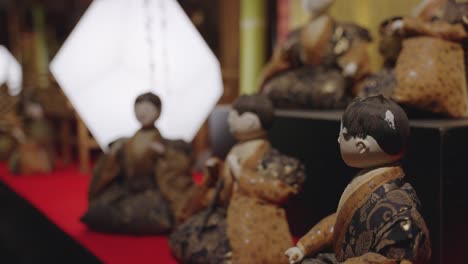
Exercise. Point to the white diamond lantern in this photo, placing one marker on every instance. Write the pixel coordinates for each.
(120, 49)
(11, 72)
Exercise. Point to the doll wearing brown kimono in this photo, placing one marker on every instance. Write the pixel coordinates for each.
(428, 53)
(35, 150)
(318, 62)
(378, 218)
(124, 194)
(254, 229)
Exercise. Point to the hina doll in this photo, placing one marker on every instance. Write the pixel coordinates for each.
(430, 67)
(319, 63)
(35, 149)
(126, 194)
(378, 218)
(7, 113)
(245, 223)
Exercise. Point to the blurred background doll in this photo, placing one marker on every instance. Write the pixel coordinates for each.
(319, 63)
(425, 58)
(378, 219)
(35, 152)
(126, 193)
(245, 222)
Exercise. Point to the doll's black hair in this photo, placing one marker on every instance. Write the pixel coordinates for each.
(367, 117)
(149, 97)
(260, 105)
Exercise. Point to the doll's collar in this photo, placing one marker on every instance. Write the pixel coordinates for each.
(146, 128)
(367, 170)
(259, 134)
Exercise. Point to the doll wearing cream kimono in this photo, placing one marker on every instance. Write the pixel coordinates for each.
(378, 218)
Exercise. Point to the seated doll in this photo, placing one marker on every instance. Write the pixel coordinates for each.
(129, 191)
(35, 149)
(318, 63)
(245, 222)
(428, 51)
(378, 218)
(7, 119)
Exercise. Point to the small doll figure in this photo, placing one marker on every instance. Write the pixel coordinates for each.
(428, 52)
(35, 150)
(318, 63)
(255, 182)
(125, 195)
(7, 119)
(378, 218)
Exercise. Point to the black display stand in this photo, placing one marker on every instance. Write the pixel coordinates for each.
(436, 164)
(28, 237)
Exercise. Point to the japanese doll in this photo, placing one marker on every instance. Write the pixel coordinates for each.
(378, 218)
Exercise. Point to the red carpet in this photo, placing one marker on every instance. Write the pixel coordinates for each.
(61, 197)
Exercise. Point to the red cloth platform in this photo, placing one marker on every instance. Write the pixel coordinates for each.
(62, 198)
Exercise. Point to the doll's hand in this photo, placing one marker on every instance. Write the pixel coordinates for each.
(295, 255)
(234, 165)
(212, 162)
(157, 147)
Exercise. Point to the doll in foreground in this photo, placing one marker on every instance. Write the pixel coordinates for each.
(130, 191)
(246, 223)
(378, 218)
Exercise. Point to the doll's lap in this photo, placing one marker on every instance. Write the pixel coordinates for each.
(307, 87)
(202, 238)
(126, 212)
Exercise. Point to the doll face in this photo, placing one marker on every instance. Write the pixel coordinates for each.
(34, 110)
(243, 124)
(363, 152)
(316, 6)
(146, 113)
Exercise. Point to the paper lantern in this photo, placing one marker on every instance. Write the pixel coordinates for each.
(11, 72)
(120, 49)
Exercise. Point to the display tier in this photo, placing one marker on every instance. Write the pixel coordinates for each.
(436, 164)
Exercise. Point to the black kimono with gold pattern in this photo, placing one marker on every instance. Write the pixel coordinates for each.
(382, 216)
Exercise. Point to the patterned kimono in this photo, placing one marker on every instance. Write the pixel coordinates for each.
(252, 228)
(378, 213)
(306, 70)
(257, 227)
(125, 196)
